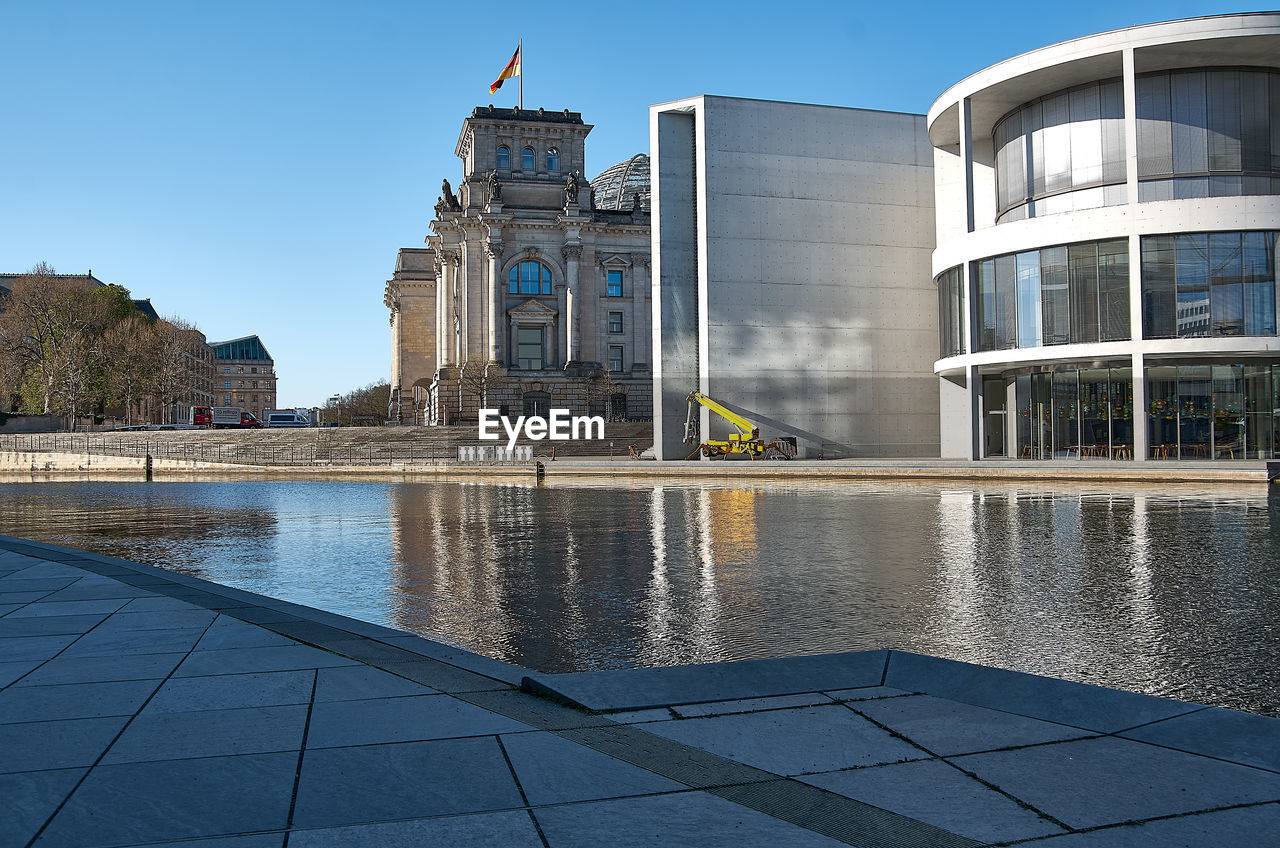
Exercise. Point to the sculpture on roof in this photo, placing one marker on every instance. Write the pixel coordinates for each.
(447, 195)
(571, 189)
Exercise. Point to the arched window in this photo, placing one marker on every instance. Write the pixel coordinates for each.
(530, 277)
(553, 159)
(527, 161)
(504, 158)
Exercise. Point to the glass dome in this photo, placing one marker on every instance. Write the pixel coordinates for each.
(617, 186)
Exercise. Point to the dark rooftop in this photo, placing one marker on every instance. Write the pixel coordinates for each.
(491, 111)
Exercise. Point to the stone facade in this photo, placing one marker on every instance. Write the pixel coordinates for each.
(244, 376)
(527, 295)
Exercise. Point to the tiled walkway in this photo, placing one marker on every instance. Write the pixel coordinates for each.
(140, 707)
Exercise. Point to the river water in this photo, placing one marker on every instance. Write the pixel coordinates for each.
(1167, 591)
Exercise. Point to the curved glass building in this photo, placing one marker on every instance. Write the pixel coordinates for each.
(1107, 218)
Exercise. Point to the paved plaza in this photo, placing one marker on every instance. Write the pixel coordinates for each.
(143, 707)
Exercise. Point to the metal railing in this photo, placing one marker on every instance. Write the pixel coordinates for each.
(387, 454)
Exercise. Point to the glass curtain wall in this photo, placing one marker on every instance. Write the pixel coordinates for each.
(1068, 294)
(1062, 153)
(1072, 414)
(1209, 284)
(1223, 411)
(1208, 133)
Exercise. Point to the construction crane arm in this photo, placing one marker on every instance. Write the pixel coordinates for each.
(744, 426)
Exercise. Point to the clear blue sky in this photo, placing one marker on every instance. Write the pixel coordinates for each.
(254, 166)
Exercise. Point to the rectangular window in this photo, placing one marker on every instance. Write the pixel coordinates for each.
(529, 348)
(226, 400)
(615, 284)
(226, 384)
(1028, 299)
(615, 357)
(1082, 266)
(1113, 290)
(1054, 300)
(985, 272)
(1192, 269)
(253, 370)
(1226, 288)
(1258, 273)
(615, 322)
(1006, 303)
(1159, 288)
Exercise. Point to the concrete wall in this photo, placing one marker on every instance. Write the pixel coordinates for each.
(675, 231)
(811, 233)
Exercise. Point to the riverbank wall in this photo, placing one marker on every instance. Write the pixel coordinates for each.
(38, 466)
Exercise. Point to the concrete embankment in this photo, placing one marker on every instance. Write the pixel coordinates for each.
(143, 707)
(17, 466)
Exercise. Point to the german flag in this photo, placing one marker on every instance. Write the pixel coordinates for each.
(511, 70)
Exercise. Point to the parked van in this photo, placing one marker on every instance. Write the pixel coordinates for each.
(287, 419)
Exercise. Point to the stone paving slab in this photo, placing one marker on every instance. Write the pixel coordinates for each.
(642, 688)
(186, 713)
(940, 794)
(1104, 781)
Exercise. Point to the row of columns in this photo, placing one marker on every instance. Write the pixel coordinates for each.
(452, 319)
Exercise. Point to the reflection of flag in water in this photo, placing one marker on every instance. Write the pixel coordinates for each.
(511, 70)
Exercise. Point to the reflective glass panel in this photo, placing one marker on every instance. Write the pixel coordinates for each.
(1193, 284)
(1083, 268)
(527, 160)
(1028, 271)
(1258, 273)
(1226, 307)
(1054, 296)
(1120, 396)
(1258, 412)
(1066, 414)
(1095, 430)
(1162, 413)
(504, 158)
(1195, 411)
(1228, 412)
(1113, 290)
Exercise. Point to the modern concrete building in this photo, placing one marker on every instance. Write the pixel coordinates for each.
(244, 375)
(525, 277)
(1107, 213)
(791, 268)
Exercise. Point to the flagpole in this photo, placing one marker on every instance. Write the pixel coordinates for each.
(520, 50)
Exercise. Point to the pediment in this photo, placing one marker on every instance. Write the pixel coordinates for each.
(532, 309)
(615, 260)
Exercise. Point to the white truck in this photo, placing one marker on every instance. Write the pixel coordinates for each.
(233, 416)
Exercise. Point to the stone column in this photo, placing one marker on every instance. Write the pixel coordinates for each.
(562, 325)
(450, 353)
(572, 252)
(639, 310)
(493, 249)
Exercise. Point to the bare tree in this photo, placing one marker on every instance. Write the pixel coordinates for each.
(478, 377)
(600, 387)
(51, 337)
(365, 406)
(175, 375)
(134, 348)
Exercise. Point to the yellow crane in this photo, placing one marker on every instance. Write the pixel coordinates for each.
(746, 441)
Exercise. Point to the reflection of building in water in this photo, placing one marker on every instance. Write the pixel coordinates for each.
(733, 525)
